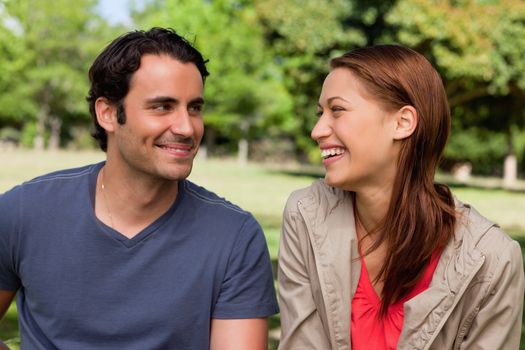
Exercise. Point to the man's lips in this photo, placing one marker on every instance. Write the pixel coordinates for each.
(177, 149)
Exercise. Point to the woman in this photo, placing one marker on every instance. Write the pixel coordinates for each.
(378, 256)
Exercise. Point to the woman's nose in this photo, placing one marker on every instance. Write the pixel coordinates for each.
(321, 129)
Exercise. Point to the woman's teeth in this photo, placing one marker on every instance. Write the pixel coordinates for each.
(330, 152)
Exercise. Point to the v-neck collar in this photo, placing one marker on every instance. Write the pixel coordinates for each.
(143, 234)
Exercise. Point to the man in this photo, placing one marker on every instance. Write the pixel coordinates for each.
(127, 254)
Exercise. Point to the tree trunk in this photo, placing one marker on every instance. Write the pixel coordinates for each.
(510, 165)
(43, 114)
(242, 155)
(510, 171)
(54, 137)
(209, 141)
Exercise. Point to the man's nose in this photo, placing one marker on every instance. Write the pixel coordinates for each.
(181, 123)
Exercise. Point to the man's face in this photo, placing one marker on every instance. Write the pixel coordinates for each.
(164, 125)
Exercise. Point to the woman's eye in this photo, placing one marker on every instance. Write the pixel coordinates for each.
(337, 109)
(319, 113)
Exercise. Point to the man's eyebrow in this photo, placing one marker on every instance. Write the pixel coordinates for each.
(161, 99)
(197, 101)
(168, 99)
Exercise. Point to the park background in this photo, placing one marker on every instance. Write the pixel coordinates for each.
(267, 60)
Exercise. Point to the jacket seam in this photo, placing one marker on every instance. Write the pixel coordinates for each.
(487, 292)
(457, 297)
(324, 284)
(463, 330)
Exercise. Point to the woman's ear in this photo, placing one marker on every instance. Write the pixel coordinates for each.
(106, 113)
(406, 122)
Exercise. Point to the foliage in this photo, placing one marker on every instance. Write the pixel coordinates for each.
(9, 135)
(302, 43)
(268, 59)
(478, 48)
(13, 60)
(28, 133)
(245, 93)
(47, 47)
(470, 41)
(481, 147)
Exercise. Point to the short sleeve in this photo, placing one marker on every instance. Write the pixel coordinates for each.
(9, 214)
(247, 290)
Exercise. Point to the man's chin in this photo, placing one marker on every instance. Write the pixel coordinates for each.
(176, 175)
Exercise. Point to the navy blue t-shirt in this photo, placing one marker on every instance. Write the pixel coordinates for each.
(83, 285)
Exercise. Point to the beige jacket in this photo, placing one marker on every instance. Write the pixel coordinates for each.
(475, 300)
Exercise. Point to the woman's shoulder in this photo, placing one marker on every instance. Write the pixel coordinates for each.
(318, 194)
(313, 190)
(487, 236)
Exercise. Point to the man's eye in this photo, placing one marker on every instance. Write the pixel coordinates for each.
(161, 107)
(195, 109)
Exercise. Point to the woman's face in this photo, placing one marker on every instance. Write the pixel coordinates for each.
(355, 135)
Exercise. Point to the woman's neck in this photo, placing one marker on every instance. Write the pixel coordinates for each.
(371, 208)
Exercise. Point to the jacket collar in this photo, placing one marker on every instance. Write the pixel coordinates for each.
(329, 220)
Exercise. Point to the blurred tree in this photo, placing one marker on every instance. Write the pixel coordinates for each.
(46, 48)
(245, 94)
(478, 47)
(263, 52)
(304, 34)
(14, 104)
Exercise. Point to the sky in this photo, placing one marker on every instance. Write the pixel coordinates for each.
(117, 11)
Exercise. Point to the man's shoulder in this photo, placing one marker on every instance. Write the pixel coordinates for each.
(215, 213)
(64, 174)
(209, 200)
(55, 182)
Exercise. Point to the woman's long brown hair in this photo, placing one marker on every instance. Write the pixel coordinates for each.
(421, 216)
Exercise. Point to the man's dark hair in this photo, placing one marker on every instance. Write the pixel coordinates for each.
(111, 71)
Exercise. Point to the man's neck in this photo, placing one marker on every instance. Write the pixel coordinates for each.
(129, 202)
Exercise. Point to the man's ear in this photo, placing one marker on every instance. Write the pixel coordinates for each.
(106, 113)
(406, 122)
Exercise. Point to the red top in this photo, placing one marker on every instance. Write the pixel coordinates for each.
(371, 332)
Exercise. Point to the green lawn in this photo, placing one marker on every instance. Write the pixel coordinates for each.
(259, 189)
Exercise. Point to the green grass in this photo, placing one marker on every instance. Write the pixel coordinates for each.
(259, 189)
(504, 207)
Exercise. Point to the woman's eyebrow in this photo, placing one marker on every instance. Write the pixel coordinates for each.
(331, 99)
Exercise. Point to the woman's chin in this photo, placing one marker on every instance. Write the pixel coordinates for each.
(340, 183)
(333, 181)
